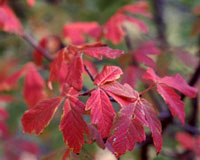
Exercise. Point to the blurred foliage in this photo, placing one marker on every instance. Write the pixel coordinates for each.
(49, 16)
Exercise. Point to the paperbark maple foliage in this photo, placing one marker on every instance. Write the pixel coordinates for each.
(123, 129)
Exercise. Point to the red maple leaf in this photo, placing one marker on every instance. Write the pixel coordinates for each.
(142, 52)
(127, 131)
(113, 28)
(140, 7)
(10, 82)
(37, 118)
(128, 127)
(164, 88)
(102, 112)
(189, 142)
(72, 124)
(33, 86)
(8, 20)
(70, 58)
(76, 31)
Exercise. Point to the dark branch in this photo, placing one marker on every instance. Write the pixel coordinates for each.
(35, 45)
(89, 73)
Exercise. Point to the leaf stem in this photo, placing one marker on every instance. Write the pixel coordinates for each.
(89, 73)
(86, 93)
(146, 90)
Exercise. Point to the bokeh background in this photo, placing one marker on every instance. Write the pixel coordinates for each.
(181, 30)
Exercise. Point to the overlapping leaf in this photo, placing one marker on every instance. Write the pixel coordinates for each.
(123, 94)
(76, 31)
(68, 66)
(127, 131)
(189, 142)
(140, 7)
(113, 27)
(38, 117)
(98, 50)
(128, 128)
(102, 112)
(108, 74)
(74, 75)
(33, 86)
(164, 86)
(8, 20)
(72, 124)
(142, 52)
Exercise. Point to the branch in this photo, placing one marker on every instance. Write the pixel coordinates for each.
(160, 24)
(35, 45)
(89, 73)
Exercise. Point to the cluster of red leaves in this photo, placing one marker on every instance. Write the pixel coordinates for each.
(68, 66)
(113, 29)
(9, 142)
(32, 82)
(136, 112)
(122, 130)
(164, 88)
(140, 55)
(189, 142)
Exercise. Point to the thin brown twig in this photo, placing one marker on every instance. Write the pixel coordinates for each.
(35, 45)
(88, 72)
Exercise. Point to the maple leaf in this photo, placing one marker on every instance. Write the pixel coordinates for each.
(140, 54)
(72, 124)
(76, 31)
(8, 20)
(135, 114)
(189, 142)
(113, 28)
(140, 7)
(33, 86)
(152, 121)
(37, 118)
(58, 68)
(127, 131)
(74, 74)
(164, 86)
(10, 82)
(123, 94)
(98, 50)
(102, 112)
(108, 74)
